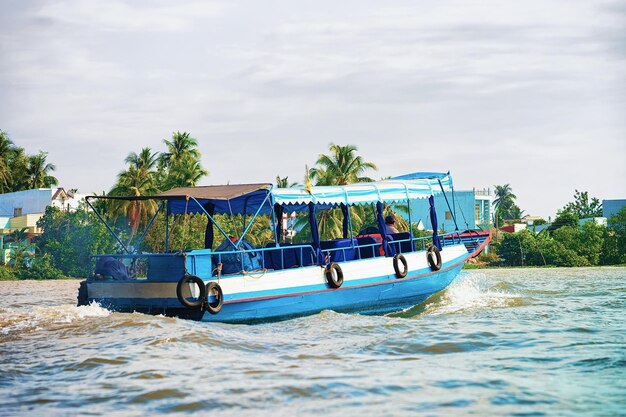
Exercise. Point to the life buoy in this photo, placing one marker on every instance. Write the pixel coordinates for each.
(434, 258)
(213, 288)
(399, 258)
(334, 275)
(187, 299)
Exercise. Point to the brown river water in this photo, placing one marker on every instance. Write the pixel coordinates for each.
(510, 342)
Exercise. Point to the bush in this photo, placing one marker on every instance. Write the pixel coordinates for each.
(7, 273)
(41, 269)
(69, 238)
(564, 220)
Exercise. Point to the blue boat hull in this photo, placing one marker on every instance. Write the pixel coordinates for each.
(379, 298)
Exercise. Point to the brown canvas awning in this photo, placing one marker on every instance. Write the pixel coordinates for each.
(214, 192)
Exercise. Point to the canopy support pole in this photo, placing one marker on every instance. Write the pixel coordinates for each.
(143, 235)
(107, 226)
(252, 219)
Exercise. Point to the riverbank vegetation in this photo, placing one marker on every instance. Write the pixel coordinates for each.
(565, 243)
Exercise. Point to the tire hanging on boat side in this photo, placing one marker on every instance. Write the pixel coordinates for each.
(200, 300)
(83, 294)
(334, 275)
(399, 258)
(434, 258)
(215, 306)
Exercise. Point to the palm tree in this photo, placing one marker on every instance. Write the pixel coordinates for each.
(504, 203)
(38, 171)
(180, 166)
(284, 182)
(18, 166)
(5, 172)
(146, 159)
(342, 166)
(185, 172)
(135, 182)
(20, 240)
(180, 145)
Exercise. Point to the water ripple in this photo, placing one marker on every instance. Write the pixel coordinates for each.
(498, 342)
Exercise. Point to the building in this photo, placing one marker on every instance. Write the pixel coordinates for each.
(22, 209)
(611, 207)
(472, 210)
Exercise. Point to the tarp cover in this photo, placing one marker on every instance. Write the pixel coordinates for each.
(235, 199)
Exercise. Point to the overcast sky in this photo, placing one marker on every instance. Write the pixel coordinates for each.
(530, 93)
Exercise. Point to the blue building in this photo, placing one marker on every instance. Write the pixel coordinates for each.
(611, 207)
(472, 210)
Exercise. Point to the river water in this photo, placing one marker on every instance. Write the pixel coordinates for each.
(513, 342)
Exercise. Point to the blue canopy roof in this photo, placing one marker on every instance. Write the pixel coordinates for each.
(392, 190)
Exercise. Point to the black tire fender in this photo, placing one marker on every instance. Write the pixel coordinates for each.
(334, 275)
(213, 288)
(193, 304)
(83, 294)
(434, 258)
(397, 260)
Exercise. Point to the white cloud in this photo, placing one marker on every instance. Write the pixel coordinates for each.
(525, 93)
(116, 15)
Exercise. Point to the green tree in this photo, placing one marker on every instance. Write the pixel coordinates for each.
(135, 182)
(582, 207)
(343, 166)
(184, 172)
(19, 171)
(69, 238)
(39, 171)
(614, 244)
(504, 204)
(41, 268)
(180, 165)
(6, 147)
(145, 160)
(284, 182)
(181, 144)
(19, 248)
(564, 219)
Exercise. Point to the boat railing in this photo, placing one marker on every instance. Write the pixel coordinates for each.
(204, 262)
(269, 257)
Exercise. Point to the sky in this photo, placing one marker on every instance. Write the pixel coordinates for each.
(527, 93)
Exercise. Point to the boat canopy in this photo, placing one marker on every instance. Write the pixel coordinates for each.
(251, 199)
(235, 199)
(388, 191)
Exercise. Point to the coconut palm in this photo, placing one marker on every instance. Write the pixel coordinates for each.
(180, 145)
(184, 172)
(135, 182)
(146, 159)
(19, 241)
(284, 182)
(39, 171)
(504, 203)
(18, 166)
(5, 172)
(180, 166)
(343, 166)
